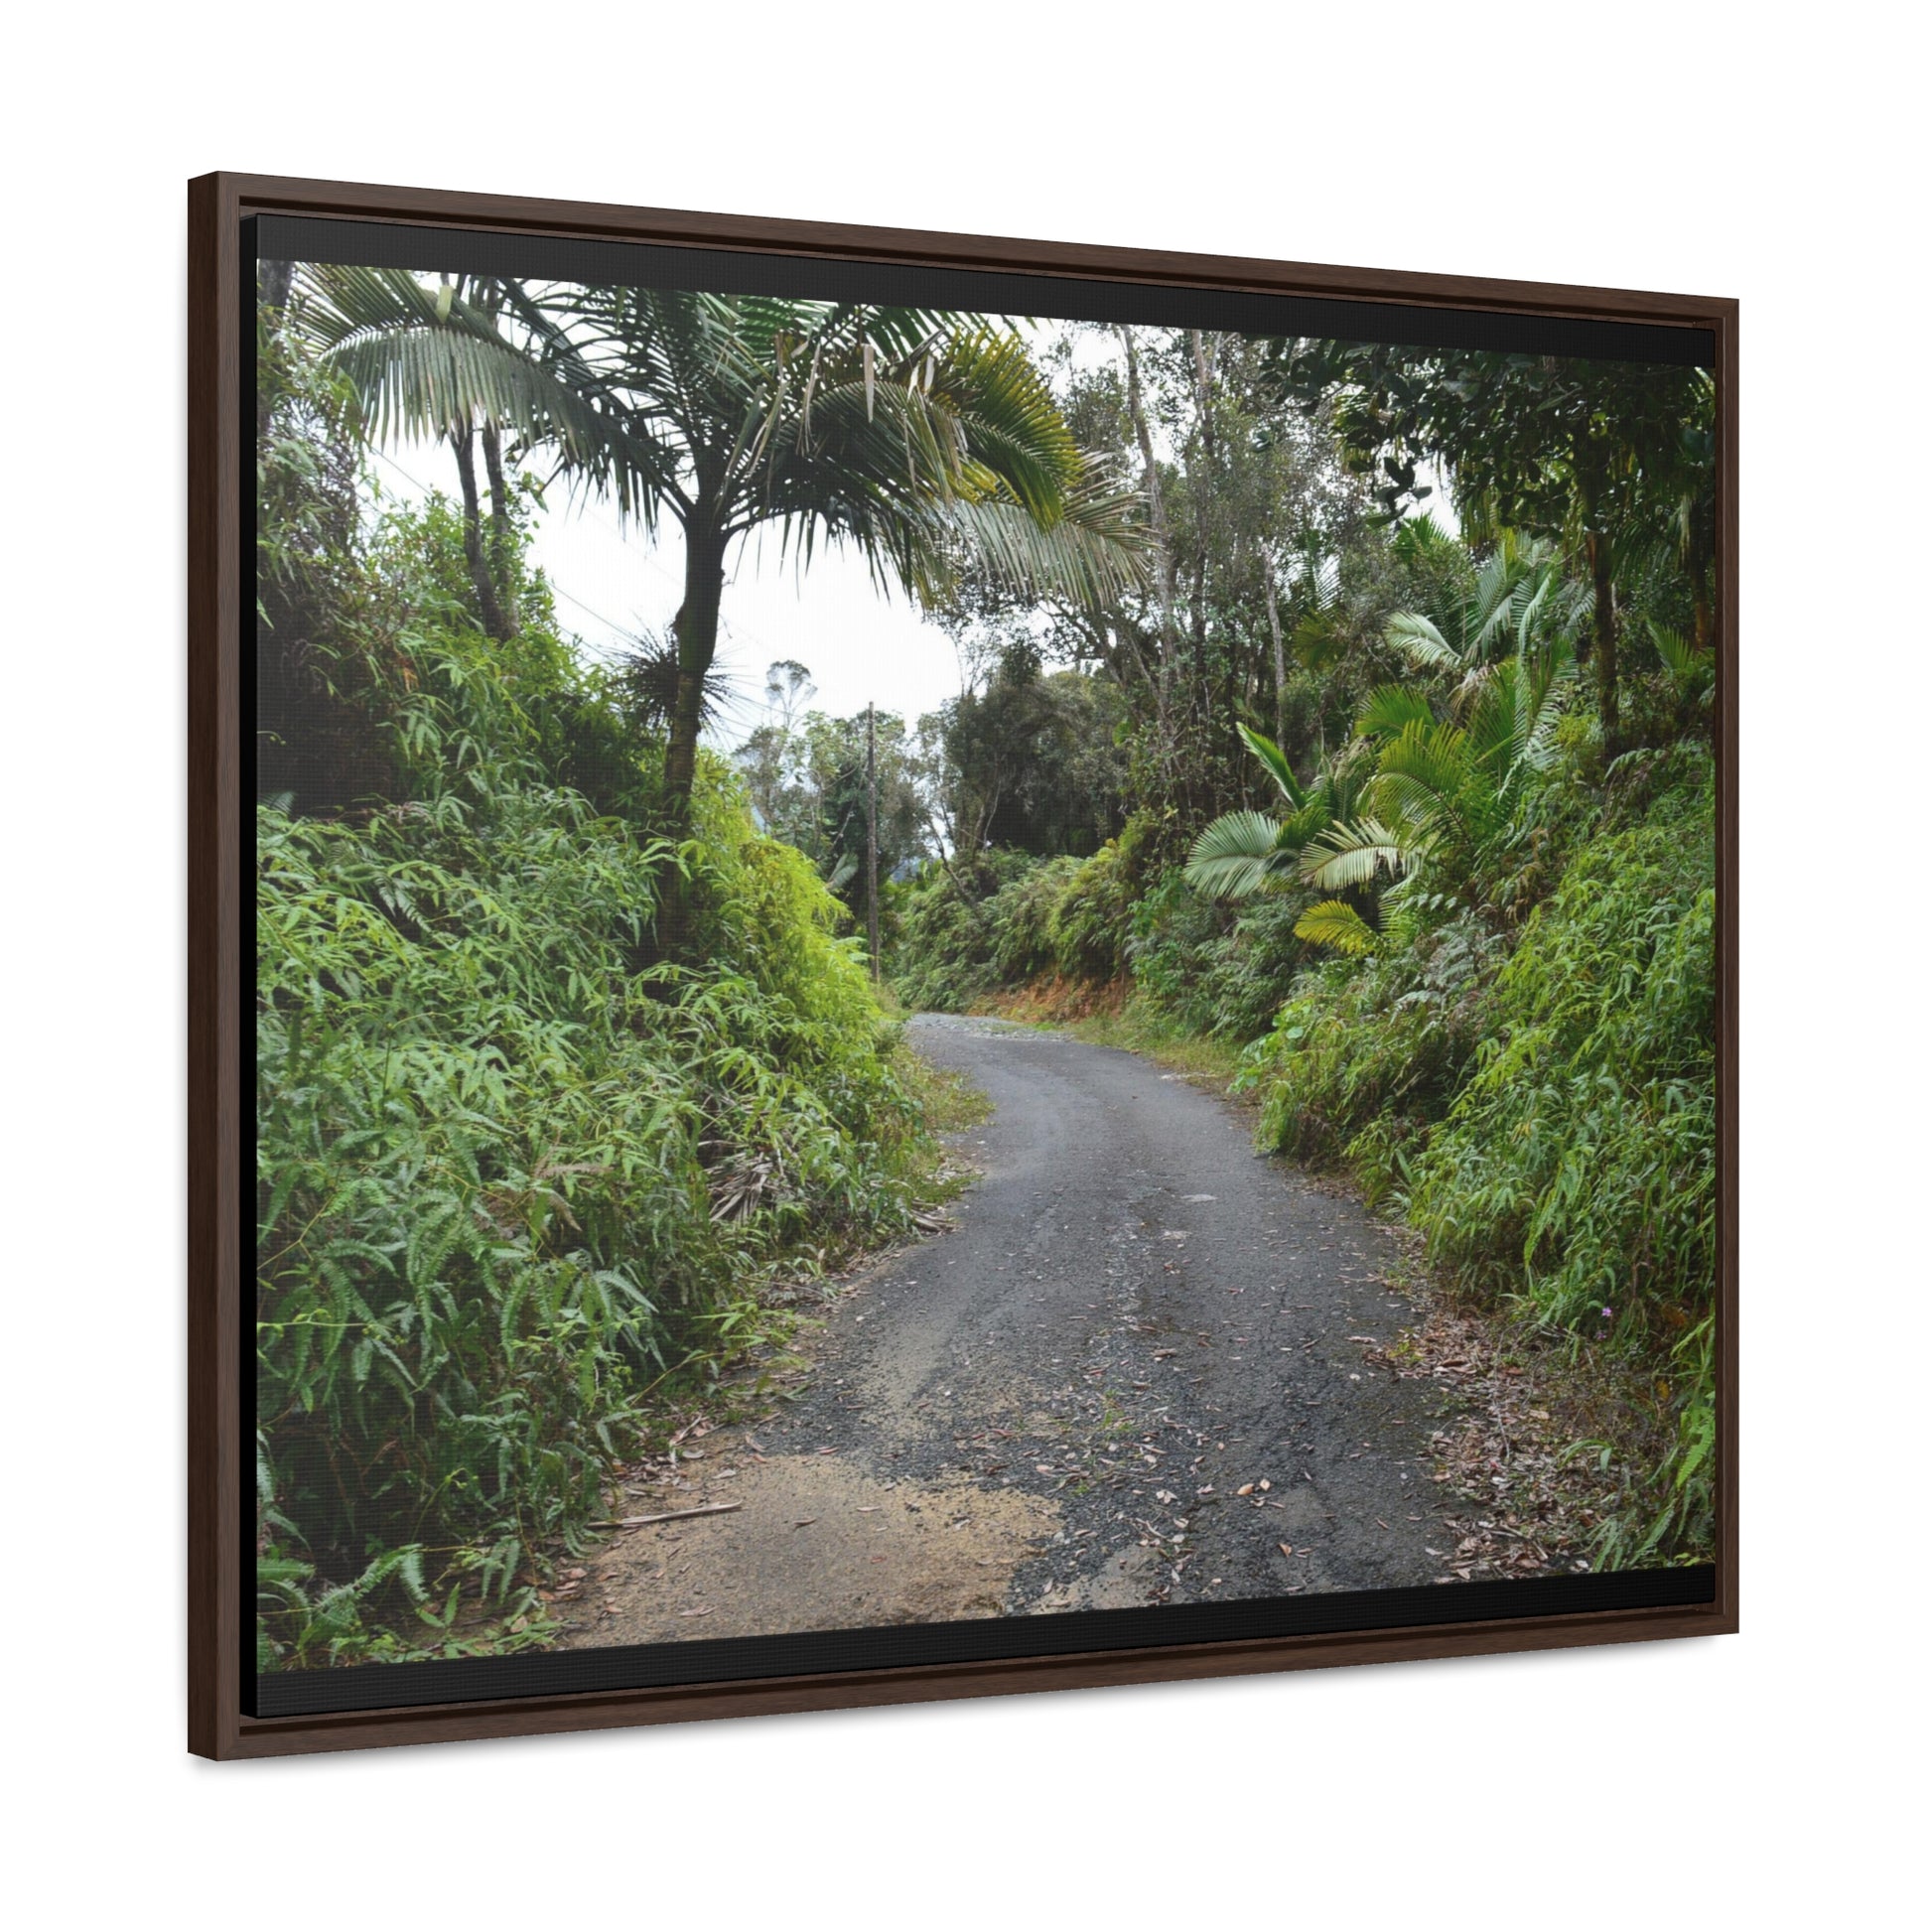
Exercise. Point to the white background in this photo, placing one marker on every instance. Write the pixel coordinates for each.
(1759, 1780)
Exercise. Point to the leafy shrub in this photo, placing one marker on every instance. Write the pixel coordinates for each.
(1021, 913)
(1579, 1165)
(1580, 1158)
(944, 934)
(1368, 1054)
(1542, 1104)
(513, 1166)
(1213, 969)
(1088, 924)
(1040, 916)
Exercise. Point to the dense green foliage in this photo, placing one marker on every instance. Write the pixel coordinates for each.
(1437, 856)
(516, 1163)
(565, 1058)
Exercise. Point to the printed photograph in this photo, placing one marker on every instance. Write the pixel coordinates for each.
(916, 966)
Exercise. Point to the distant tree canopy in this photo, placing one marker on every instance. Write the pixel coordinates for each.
(806, 780)
(1617, 461)
(1035, 761)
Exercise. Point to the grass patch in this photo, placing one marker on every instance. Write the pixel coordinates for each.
(1117, 1015)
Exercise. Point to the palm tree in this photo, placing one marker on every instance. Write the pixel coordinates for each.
(1519, 592)
(917, 437)
(1241, 852)
(1436, 791)
(1443, 792)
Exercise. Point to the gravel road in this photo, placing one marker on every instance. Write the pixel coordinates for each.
(1060, 1403)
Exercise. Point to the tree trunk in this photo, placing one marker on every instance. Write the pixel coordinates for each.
(1158, 518)
(488, 605)
(1201, 491)
(502, 538)
(1604, 639)
(695, 627)
(1281, 657)
(965, 897)
(1703, 616)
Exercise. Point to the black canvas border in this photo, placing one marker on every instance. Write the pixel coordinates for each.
(369, 1687)
(724, 271)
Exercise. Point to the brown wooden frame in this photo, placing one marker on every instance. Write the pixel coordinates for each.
(217, 205)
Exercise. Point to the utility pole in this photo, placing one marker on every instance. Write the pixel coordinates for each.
(871, 837)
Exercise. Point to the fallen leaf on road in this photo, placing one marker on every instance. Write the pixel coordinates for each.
(1246, 1489)
(804, 1522)
(1286, 1549)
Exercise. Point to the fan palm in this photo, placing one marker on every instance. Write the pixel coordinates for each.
(913, 436)
(1519, 594)
(1240, 852)
(1440, 789)
(1415, 787)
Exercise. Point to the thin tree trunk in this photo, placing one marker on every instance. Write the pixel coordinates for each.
(695, 628)
(1604, 642)
(1203, 404)
(965, 897)
(1163, 551)
(1280, 658)
(487, 607)
(503, 543)
(871, 837)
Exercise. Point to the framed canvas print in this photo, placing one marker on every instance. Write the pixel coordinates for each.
(925, 966)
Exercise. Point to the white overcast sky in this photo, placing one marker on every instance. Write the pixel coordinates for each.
(861, 646)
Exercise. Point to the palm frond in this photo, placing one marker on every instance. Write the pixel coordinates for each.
(1092, 554)
(1355, 853)
(1393, 709)
(1237, 853)
(426, 362)
(1418, 639)
(1688, 665)
(1271, 755)
(1334, 922)
(1421, 539)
